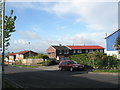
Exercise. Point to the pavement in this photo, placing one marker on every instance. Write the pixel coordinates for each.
(53, 67)
(104, 73)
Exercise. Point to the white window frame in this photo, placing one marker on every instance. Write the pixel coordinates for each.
(74, 51)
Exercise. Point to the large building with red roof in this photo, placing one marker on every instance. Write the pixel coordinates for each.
(60, 51)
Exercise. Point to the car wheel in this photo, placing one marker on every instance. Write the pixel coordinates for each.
(60, 68)
(71, 69)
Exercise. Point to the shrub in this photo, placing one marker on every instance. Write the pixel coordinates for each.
(48, 63)
(35, 57)
(96, 60)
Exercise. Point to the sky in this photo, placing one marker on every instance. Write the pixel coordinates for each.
(68, 23)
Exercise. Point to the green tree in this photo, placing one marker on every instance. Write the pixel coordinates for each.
(117, 43)
(9, 27)
(45, 57)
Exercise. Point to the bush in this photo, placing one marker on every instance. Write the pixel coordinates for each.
(48, 63)
(36, 57)
(96, 60)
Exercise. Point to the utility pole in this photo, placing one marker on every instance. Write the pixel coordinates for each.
(3, 42)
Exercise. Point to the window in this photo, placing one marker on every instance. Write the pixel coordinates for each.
(101, 50)
(66, 51)
(91, 50)
(79, 51)
(60, 51)
(86, 50)
(74, 51)
(64, 63)
(49, 53)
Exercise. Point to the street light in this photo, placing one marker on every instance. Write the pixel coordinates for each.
(3, 40)
(29, 48)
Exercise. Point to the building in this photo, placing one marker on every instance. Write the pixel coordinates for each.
(20, 55)
(110, 42)
(60, 51)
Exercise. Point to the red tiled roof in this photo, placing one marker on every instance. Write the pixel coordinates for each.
(85, 47)
(22, 52)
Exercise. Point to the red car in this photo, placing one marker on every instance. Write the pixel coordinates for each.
(70, 65)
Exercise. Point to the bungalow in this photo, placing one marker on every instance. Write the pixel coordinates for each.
(110, 42)
(20, 55)
(60, 51)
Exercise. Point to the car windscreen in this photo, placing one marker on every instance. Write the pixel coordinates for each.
(72, 62)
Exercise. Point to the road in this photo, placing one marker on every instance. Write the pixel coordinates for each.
(37, 78)
(0, 76)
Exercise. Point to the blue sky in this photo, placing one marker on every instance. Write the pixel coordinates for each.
(51, 23)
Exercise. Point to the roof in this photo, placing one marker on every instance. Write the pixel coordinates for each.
(22, 52)
(85, 47)
(60, 47)
(112, 33)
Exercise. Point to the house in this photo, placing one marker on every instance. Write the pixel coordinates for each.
(110, 42)
(60, 51)
(20, 55)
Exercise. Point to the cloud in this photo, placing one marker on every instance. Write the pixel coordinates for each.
(97, 16)
(29, 35)
(41, 45)
(20, 41)
(62, 0)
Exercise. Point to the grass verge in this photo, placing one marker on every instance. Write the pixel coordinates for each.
(110, 71)
(28, 66)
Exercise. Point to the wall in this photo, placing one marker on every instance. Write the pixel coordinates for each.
(31, 61)
(112, 53)
(51, 52)
(110, 41)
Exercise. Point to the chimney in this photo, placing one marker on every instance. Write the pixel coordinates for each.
(60, 44)
(106, 34)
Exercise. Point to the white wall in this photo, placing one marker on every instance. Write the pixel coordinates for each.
(113, 53)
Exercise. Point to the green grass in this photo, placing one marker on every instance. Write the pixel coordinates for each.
(110, 71)
(28, 66)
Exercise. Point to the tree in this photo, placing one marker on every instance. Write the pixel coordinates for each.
(9, 27)
(45, 57)
(117, 43)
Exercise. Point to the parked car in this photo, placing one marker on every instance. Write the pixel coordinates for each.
(70, 65)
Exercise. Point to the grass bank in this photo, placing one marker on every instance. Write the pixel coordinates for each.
(110, 71)
(28, 66)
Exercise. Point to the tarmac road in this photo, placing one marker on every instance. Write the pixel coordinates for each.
(39, 78)
(0, 76)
